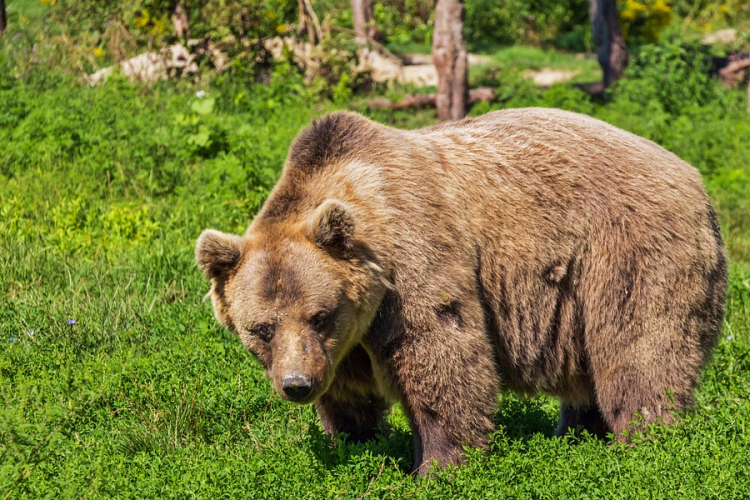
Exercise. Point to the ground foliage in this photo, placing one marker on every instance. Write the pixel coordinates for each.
(116, 381)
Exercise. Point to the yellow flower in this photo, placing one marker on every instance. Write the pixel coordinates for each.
(160, 27)
(142, 20)
(646, 17)
(631, 10)
(98, 52)
(662, 7)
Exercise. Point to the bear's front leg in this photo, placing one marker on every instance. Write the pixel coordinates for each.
(445, 374)
(359, 418)
(352, 404)
(449, 408)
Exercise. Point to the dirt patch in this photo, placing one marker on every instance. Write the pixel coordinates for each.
(548, 76)
(413, 69)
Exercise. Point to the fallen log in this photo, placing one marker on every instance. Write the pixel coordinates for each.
(734, 72)
(424, 100)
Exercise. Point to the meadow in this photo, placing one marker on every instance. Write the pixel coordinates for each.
(116, 381)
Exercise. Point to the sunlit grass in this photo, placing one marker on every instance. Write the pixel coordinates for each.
(102, 195)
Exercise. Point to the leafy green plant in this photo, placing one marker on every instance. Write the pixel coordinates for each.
(405, 21)
(644, 19)
(709, 15)
(672, 76)
(538, 22)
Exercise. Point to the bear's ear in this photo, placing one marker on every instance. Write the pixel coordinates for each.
(331, 226)
(218, 253)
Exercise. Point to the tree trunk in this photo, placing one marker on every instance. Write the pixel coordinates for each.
(450, 58)
(3, 17)
(308, 20)
(610, 46)
(363, 16)
(179, 20)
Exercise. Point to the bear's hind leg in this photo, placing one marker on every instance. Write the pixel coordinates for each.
(648, 331)
(631, 399)
(644, 364)
(644, 376)
(576, 419)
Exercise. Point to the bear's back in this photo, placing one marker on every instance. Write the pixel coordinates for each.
(551, 173)
(550, 144)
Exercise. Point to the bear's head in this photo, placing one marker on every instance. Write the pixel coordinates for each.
(298, 295)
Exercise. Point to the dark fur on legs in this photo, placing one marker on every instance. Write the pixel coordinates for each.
(352, 405)
(575, 420)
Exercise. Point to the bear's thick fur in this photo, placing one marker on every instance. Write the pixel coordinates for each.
(533, 250)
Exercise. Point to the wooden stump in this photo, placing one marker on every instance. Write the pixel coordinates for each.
(610, 45)
(450, 58)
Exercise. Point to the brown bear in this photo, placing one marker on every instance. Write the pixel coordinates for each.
(533, 250)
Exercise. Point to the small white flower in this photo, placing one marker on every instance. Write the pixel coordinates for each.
(730, 337)
(200, 94)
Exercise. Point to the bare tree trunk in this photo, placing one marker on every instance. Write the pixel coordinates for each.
(610, 46)
(180, 20)
(3, 17)
(450, 58)
(308, 20)
(364, 18)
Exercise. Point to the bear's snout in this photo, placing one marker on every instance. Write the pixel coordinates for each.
(297, 387)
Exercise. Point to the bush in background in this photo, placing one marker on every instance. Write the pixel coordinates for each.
(535, 22)
(673, 76)
(644, 20)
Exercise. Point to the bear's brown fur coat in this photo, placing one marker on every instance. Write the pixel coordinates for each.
(534, 250)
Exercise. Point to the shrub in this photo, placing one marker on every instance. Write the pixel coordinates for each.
(537, 22)
(713, 14)
(672, 76)
(644, 19)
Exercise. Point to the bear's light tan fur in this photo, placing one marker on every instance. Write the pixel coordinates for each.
(534, 250)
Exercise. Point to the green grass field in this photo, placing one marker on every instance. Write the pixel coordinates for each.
(116, 381)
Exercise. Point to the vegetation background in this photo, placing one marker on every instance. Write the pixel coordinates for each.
(115, 380)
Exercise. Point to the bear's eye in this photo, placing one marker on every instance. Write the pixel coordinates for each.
(264, 331)
(320, 321)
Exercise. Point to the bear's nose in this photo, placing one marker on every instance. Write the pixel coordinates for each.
(297, 387)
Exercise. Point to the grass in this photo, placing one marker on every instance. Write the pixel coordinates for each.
(103, 192)
(24, 11)
(524, 57)
(520, 60)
